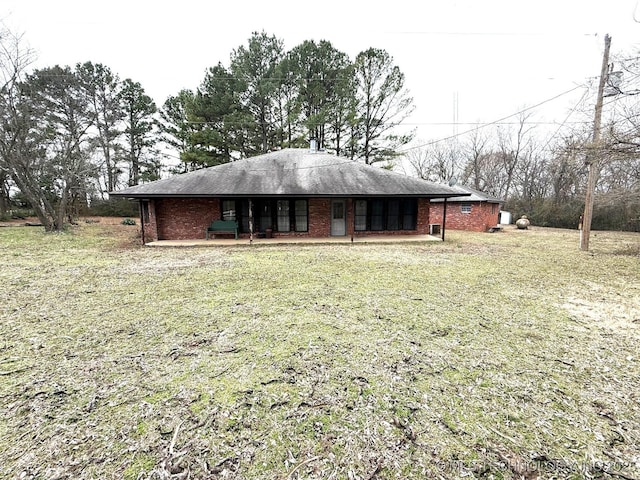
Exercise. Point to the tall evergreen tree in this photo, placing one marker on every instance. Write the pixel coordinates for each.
(175, 128)
(218, 120)
(292, 133)
(322, 74)
(255, 66)
(139, 139)
(103, 90)
(383, 104)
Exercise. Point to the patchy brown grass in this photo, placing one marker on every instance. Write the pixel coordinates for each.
(507, 355)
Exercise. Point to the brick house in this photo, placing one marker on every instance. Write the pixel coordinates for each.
(290, 192)
(476, 212)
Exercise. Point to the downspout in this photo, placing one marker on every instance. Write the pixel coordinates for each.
(444, 217)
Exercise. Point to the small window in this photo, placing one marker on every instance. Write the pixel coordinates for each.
(284, 220)
(360, 215)
(301, 216)
(465, 208)
(393, 215)
(377, 215)
(263, 216)
(244, 216)
(228, 210)
(409, 219)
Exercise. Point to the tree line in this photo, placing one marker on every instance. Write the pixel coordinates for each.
(544, 176)
(269, 98)
(69, 134)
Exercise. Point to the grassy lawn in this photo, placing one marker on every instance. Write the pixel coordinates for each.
(506, 355)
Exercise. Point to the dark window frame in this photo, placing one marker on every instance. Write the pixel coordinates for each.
(271, 220)
(406, 218)
(362, 217)
(295, 214)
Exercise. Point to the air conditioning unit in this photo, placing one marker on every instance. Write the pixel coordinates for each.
(434, 229)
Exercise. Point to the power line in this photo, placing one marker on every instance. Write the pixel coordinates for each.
(582, 99)
(495, 122)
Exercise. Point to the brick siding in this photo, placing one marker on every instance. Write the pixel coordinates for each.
(482, 217)
(185, 218)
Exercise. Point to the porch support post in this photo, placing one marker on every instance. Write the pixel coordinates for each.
(444, 217)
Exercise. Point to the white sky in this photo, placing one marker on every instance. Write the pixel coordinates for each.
(498, 56)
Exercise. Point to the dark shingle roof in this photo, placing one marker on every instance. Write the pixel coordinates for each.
(290, 172)
(473, 196)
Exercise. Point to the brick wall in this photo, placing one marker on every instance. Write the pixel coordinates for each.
(424, 214)
(185, 218)
(482, 217)
(319, 217)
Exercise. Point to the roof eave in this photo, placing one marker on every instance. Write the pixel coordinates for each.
(288, 195)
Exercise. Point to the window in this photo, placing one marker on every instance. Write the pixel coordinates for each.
(301, 216)
(377, 215)
(360, 215)
(263, 216)
(465, 208)
(229, 210)
(283, 215)
(284, 220)
(409, 214)
(238, 210)
(385, 214)
(393, 215)
(244, 216)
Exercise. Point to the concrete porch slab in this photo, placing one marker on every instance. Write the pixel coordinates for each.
(295, 241)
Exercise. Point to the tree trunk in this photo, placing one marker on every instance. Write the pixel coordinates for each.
(42, 208)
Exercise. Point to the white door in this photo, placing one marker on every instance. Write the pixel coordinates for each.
(338, 218)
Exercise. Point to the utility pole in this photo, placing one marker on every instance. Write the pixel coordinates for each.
(594, 153)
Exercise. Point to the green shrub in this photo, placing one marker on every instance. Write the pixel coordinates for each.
(128, 221)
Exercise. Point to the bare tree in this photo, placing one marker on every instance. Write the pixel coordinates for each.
(15, 58)
(476, 151)
(383, 103)
(437, 162)
(511, 147)
(44, 122)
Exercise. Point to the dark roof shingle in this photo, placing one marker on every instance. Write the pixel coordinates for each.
(290, 172)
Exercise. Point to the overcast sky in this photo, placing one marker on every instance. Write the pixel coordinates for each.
(496, 56)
